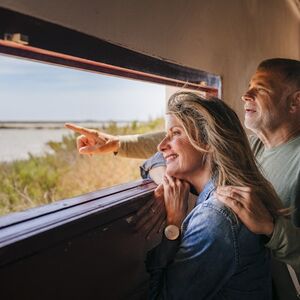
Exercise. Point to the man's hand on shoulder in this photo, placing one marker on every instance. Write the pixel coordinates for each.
(250, 210)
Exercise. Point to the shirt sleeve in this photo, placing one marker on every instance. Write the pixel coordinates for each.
(157, 160)
(205, 259)
(285, 243)
(139, 145)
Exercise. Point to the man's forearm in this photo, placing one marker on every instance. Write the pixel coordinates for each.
(140, 145)
(285, 243)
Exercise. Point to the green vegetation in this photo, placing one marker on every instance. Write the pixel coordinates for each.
(64, 173)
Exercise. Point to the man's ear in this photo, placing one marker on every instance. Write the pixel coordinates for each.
(295, 102)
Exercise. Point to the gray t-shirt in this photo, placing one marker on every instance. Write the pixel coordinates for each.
(281, 166)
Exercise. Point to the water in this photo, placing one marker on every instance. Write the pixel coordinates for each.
(17, 143)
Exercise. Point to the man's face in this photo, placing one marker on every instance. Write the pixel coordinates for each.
(265, 102)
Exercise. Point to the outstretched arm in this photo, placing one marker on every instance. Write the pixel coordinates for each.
(140, 145)
(93, 141)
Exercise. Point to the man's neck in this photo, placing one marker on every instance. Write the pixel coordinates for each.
(277, 137)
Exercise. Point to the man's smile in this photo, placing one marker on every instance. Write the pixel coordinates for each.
(249, 110)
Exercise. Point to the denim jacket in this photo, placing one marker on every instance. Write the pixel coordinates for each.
(216, 257)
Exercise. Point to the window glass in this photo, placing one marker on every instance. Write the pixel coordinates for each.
(39, 162)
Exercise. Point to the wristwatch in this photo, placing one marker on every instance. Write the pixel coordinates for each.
(172, 232)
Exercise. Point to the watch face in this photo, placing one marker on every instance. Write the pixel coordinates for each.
(172, 232)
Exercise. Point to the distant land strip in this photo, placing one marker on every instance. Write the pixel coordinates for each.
(60, 124)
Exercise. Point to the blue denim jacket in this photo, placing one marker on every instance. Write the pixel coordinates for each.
(217, 257)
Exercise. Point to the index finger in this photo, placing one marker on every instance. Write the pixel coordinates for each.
(168, 182)
(79, 129)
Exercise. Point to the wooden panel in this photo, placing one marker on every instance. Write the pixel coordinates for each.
(92, 255)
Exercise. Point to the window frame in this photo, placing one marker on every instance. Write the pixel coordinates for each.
(55, 44)
(68, 249)
(51, 43)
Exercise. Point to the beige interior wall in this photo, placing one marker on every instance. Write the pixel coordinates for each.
(223, 37)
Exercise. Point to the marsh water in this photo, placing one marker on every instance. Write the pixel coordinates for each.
(18, 143)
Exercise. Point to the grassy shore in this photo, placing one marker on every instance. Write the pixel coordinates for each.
(64, 173)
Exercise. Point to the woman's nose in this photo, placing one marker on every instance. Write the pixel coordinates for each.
(163, 145)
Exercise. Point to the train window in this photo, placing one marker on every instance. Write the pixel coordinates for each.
(39, 162)
(60, 79)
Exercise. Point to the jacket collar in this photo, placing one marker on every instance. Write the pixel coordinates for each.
(204, 195)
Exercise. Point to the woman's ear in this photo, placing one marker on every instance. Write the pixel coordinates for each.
(295, 102)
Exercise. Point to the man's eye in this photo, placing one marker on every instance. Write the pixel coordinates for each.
(259, 90)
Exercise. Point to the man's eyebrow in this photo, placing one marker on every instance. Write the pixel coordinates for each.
(266, 85)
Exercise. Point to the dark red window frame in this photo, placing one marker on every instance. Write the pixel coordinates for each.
(55, 44)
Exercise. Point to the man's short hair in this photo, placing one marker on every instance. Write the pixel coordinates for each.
(289, 69)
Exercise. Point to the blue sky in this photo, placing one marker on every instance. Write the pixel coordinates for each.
(31, 91)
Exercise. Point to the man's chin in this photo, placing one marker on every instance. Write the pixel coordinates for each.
(249, 125)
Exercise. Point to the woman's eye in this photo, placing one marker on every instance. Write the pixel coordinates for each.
(176, 132)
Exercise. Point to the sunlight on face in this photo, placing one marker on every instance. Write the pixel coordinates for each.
(265, 101)
(183, 160)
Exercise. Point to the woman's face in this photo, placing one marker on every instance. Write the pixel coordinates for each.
(183, 160)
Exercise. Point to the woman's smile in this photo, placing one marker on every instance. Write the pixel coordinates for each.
(170, 157)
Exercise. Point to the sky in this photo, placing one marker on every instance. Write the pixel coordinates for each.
(31, 91)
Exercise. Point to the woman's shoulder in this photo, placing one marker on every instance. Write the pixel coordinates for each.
(212, 213)
(210, 224)
(214, 208)
(219, 208)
